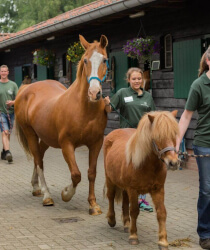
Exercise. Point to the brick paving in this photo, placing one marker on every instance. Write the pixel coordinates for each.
(26, 224)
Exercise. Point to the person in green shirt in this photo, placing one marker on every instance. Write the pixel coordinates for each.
(199, 99)
(8, 92)
(133, 102)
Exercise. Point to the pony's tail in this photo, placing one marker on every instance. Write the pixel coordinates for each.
(118, 193)
(22, 139)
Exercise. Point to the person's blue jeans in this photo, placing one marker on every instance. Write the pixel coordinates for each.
(203, 205)
(5, 122)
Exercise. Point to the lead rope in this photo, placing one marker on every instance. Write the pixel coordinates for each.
(192, 155)
(10, 124)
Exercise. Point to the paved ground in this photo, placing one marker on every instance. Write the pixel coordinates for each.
(26, 224)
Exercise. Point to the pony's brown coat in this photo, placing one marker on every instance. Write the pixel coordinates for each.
(64, 118)
(132, 165)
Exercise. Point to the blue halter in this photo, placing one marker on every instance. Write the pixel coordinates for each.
(95, 77)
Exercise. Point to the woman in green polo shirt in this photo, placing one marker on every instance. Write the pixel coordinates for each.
(133, 102)
(199, 99)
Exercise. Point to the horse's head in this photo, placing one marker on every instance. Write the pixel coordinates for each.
(95, 65)
(164, 133)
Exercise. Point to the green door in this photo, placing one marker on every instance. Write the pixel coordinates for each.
(18, 75)
(43, 72)
(120, 68)
(186, 56)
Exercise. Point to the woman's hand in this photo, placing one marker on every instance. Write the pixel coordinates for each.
(107, 101)
(107, 104)
(10, 103)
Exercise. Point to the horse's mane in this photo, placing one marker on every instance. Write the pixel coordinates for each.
(140, 146)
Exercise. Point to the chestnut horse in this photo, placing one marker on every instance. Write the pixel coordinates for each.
(48, 114)
(134, 161)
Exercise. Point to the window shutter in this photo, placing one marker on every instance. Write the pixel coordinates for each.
(186, 60)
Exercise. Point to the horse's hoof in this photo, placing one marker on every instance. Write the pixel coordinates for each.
(95, 210)
(112, 224)
(48, 202)
(133, 241)
(37, 193)
(162, 247)
(126, 229)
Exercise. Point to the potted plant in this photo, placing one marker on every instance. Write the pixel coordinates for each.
(44, 57)
(73, 55)
(74, 52)
(141, 48)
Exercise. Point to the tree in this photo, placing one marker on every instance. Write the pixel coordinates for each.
(8, 14)
(20, 14)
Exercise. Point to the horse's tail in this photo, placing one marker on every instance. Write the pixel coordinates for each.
(118, 193)
(22, 139)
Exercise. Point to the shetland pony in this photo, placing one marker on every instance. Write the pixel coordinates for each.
(48, 114)
(135, 163)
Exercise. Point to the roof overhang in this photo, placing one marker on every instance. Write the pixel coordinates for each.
(58, 24)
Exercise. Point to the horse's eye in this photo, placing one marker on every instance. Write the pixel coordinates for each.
(85, 61)
(104, 60)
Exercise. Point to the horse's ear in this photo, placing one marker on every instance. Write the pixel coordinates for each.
(83, 42)
(174, 113)
(103, 41)
(151, 118)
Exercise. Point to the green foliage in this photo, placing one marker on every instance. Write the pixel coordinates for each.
(44, 57)
(8, 14)
(17, 15)
(75, 52)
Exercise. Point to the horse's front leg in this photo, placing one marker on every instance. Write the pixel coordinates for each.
(93, 156)
(158, 200)
(134, 212)
(69, 155)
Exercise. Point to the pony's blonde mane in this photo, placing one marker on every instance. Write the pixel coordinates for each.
(164, 127)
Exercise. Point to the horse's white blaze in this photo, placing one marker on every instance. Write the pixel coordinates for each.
(44, 188)
(96, 60)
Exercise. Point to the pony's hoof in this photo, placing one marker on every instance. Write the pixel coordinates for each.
(162, 247)
(37, 193)
(95, 210)
(126, 229)
(48, 202)
(133, 241)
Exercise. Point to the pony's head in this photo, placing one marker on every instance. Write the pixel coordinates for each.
(95, 65)
(156, 135)
(164, 134)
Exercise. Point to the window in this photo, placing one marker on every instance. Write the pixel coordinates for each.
(168, 51)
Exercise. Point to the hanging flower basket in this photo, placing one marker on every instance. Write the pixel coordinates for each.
(141, 48)
(44, 57)
(74, 52)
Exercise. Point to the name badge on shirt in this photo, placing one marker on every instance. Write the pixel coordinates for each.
(128, 99)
